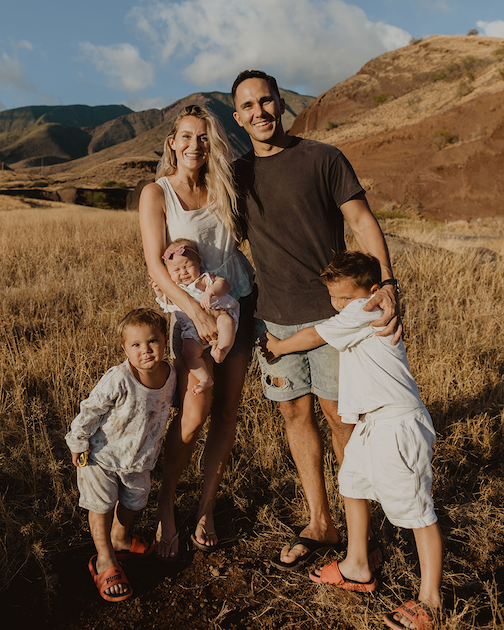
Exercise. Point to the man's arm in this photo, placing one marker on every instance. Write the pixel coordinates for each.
(370, 239)
(305, 339)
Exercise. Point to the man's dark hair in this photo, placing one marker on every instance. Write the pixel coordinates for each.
(255, 74)
(362, 269)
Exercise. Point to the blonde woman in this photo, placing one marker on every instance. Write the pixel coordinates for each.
(193, 197)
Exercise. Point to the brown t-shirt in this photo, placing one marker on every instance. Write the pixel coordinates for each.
(290, 212)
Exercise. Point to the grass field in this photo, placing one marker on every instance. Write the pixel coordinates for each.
(69, 275)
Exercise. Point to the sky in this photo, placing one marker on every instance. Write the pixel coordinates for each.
(150, 53)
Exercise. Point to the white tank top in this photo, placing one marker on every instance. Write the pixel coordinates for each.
(217, 247)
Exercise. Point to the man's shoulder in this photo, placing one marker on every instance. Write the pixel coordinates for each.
(244, 161)
(314, 146)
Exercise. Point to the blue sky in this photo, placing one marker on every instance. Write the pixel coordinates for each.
(149, 53)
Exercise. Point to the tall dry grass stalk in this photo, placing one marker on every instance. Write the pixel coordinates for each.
(68, 277)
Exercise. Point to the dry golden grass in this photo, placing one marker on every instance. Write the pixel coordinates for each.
(68, 276)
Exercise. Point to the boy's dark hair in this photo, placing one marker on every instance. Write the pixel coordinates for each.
(254, 74)
(362, 269)
(142, 317)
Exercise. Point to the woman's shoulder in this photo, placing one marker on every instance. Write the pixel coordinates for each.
(154, 189)
(152, 198)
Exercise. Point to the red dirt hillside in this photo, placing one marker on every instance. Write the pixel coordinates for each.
(423, 126)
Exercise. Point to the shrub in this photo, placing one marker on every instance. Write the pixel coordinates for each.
(331, 125)
(454, 70)
(381, 98)
(445, 137)
(464, 88)
(111, 183)
(415, 40)
(39, 184)
(439, 76)
(473, 31)
(470, 62)
(96, 199)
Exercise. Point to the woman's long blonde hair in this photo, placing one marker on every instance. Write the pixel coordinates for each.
(216, 173)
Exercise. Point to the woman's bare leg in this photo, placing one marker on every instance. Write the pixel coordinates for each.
(179, 445)
(229, 378)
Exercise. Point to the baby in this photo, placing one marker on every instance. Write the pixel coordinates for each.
(183, 262)
(121, 427)
(388, 456)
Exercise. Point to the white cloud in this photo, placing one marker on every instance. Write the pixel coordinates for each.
(122, 64)
(310, 44)
(139, 104)
(492, 29)
(24, 44)
(11, 74)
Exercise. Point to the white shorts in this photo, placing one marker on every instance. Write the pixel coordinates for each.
(100, 489)
(388, 459)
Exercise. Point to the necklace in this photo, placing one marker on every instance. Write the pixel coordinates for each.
(190, 191)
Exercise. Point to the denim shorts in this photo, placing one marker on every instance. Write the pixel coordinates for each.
(388, 459)
(294, 375)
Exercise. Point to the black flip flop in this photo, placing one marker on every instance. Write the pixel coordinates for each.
(315, 549)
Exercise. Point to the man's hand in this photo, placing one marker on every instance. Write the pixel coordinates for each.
(386, 299)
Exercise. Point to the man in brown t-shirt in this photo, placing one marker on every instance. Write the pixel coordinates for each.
(294, 195)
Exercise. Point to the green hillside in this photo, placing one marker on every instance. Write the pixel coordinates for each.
(53, 142)
(70, 115)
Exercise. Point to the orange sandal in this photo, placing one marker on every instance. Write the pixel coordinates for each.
(139, 549)
(108, 578)
(331, 574)
(417, 612)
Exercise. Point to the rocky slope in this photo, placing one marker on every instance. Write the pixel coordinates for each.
(423, 126)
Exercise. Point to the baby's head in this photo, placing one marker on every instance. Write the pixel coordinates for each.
(143, 334)
(183, 261)
(351, 275)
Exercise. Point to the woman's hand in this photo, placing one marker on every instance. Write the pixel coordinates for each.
(205, 324)
(386, 299)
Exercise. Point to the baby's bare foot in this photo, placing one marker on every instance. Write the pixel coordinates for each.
(219, 354)
(201, 386)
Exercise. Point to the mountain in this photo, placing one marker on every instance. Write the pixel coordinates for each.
(54, 143)
(423, 126)
(69, 115)
(32, 136)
